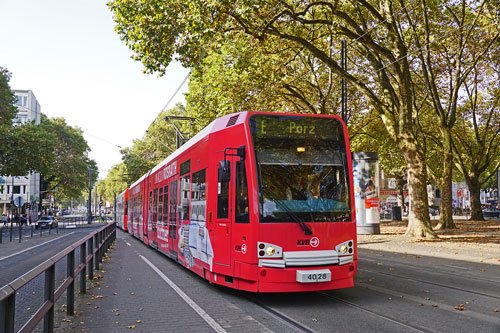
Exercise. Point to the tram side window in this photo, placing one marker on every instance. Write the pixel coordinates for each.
(165, 205)
(139, 208)
(184, 197)
(198, 201)
(241, 194)
(172, 228)
(160, 206)
(155, 209)
(222, 200)
(150, 209)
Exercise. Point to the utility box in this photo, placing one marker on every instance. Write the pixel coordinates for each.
(366, 192)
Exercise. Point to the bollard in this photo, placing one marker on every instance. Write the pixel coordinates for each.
(20, 232)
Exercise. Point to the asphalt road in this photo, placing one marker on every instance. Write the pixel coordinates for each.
(18, 258)
(394, 292)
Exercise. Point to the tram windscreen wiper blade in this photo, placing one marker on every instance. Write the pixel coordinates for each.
(288, 211)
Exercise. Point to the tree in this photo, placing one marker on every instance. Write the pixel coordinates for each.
(478, 148)
(114, 183)
(7, 99)
(385, 80)
(450, 38)
(158, 142)
(69, 169)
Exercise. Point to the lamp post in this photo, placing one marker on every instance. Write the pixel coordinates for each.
(89, 213)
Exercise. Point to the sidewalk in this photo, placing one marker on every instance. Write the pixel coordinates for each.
(126, 294)
(475, 241)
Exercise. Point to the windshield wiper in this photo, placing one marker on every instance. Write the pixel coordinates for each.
(288, 211)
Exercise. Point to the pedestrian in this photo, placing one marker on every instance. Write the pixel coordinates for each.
(4, 220)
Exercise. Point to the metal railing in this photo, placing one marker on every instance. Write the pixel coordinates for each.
(91, 250)
(63, 221)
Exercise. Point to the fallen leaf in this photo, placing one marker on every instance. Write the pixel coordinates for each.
(426, 291)
(88, 303)
(132, 293)
(460, 307)
(131, 327)
(496, 310)
(115, 293)
(434, 305)
(380, 264)
(138, 321)
(427, 298)
(421, 304)
(389, 298)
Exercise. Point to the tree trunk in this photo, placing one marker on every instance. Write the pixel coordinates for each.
(446, 220)
(419, 224)
(400, 183)
(475, 199)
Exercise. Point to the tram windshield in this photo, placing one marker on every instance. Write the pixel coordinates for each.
(301, 169)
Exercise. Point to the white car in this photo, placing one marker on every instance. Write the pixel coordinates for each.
(46, 222)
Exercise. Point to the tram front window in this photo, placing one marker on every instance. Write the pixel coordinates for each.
(302, 169)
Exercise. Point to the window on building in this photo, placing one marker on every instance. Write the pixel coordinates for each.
(21, 100)
(17, 189)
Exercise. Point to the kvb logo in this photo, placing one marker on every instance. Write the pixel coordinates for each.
(314, 242)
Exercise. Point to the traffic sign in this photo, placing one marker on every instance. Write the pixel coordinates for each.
(19, 201)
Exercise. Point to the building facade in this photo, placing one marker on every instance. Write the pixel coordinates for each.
(27, 187)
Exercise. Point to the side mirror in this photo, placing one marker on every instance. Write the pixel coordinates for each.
(224, 171)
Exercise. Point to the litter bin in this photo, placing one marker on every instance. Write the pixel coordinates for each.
(396, 213)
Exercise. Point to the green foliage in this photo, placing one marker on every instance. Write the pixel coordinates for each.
(114, 184)
(66, 166)
(7, 99)
(158, 142)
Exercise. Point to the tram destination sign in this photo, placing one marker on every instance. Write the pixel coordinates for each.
(295, 126)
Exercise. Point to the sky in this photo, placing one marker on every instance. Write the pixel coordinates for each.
(68, 54)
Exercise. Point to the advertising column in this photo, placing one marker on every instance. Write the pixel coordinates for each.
(366, 192)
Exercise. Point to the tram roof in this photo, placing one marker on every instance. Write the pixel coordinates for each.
(215, 126)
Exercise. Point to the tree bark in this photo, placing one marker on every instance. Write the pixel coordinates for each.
(446, 220)
(419, 224)
(475, 199)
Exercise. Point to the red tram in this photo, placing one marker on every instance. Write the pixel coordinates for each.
(256, 201)
(120, 205)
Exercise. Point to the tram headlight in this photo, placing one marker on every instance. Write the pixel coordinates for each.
(301, 149)
(270, 251)
(344, 248)
(267, 250)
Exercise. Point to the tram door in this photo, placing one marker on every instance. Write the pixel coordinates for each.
(224, 214)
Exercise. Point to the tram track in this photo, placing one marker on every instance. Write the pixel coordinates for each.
(431, 283)
(277, 314)
(376, 314)
(400, 264)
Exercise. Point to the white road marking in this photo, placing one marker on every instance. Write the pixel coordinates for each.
(210, 321)
(127, 243)
(31, 248)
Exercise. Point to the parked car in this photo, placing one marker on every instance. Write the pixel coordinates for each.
(46, 222)
(491, 213)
